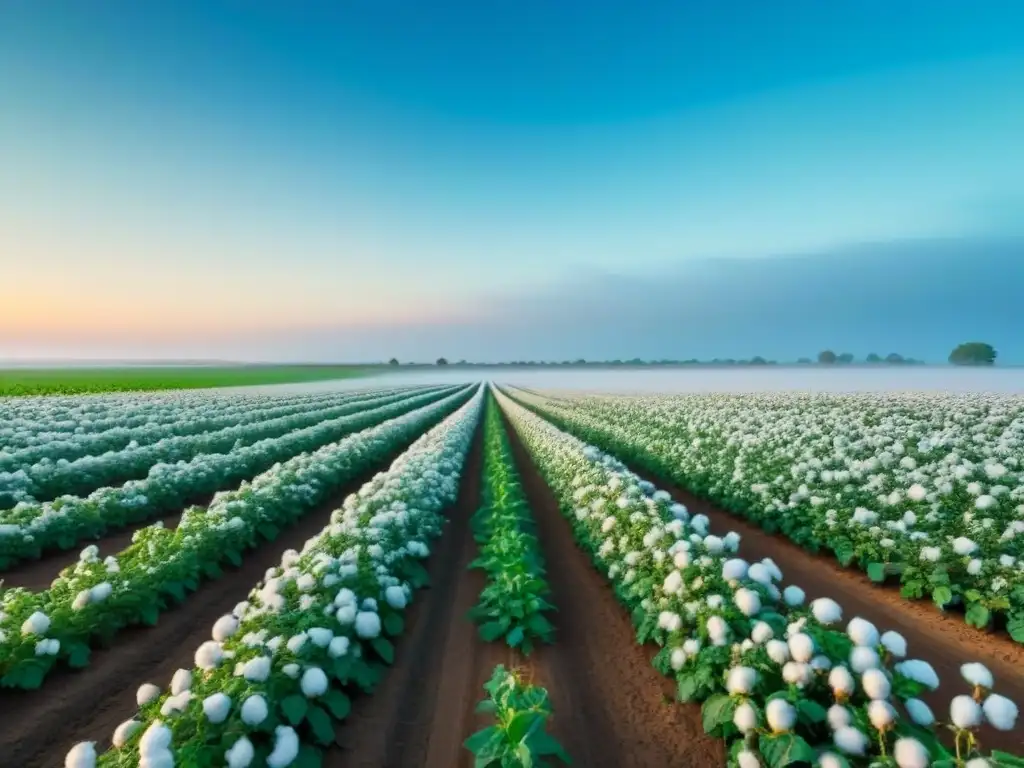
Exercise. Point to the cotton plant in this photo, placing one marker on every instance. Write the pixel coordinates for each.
(94, 599)
(926, 487)
(780, 678)
(29, 528)
(273, 679)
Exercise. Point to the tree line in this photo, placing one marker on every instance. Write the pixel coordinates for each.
(969, 353)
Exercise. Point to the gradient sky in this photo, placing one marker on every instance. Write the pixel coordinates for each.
(350, 180)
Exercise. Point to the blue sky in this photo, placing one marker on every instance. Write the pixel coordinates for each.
(373, 177)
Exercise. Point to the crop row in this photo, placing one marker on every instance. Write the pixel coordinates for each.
(46, 479)
(516, 594)
(929, 489)
(29, 529)
(95, 598)
(211, 414)
(779, 681)
(269, 686)
(26, 422)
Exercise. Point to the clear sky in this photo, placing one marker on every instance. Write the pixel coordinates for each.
(359, 178)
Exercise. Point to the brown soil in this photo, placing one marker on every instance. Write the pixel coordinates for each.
(611, 706)
(944, 641)
(39, 727)
(39, 574)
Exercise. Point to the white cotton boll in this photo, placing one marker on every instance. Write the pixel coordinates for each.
(831, 760)
(175, 704)
(241, 754)
(718, 630)
(681, 559)
(225, 627)
(801, 647)
(82, 755)
(714, 545)
(794, 596)
(745, 717)
(875, 683)
(974, 567)
(862, 632)
(677, 660)
(672, 583)
(36, 624)
(761, 633)
(286, 747)
(257, 669)
(977, 762)
(778, 651)
(734, 570)
(747, 759)
(254, 710)
(81, 600)
(781, 715)
(159, 759)
(841, 681)
(320, 637)
(100, 592)
(147, 692)
(691, 646)
(917, 492)
(919, 671)
(1000, 712)
(964, 546)
(919, 712)
(760, 573)
(895, 644)
(731, 541)
(313, 683)
(977, 674)
(395, 597)
(881, 714)
(741, 680)
(796, 673)
(821, 663)
(125, 731)
(217, 707)
(862, 659)
(209, 655)
(850, 740)
(297, 642)
(839, 717)
(367, 625)
(306, 582)
(292, 670)
(338, 647)
(910, 753)
(157, 738)
(748, 601)
(181, 681)
(965, 712)
(826, 611)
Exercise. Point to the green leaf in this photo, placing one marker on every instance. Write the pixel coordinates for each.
(687, 688)
(338, 703)
(844, 551)
(942, 595)
(384, 649)
(1006, 759)
(812, 711)
(394, 624)
(491, 631)
(1015, 626)
(717, 711)
(78, 654)
(233, 557)
(294, 708)
(978, 616)
(479, 740)
(785, 749)
(320, 722)
(515, 637)
(149, 614)
(876, 571)
(543, 744)
(309, 757)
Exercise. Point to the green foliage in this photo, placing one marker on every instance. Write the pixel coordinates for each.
(519, 737)
(973, 353)
(74, 381)
(827, 357)
(515, 597)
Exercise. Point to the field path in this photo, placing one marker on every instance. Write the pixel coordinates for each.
(39, 727)
(944, 641)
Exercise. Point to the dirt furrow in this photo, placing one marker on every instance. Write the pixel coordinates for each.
(38, 727)
(944, 641)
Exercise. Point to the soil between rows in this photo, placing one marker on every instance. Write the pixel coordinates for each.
(37, 728)
(944, 641)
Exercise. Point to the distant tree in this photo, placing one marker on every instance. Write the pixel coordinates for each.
(873, 358)
(580, 361)
(758, 360)
(804, 361)
(973, 353)
(894, 359)
(462, 362)
(636, 361)
(393, 361)
(846, 358)
(442, 361)
(827, 357)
